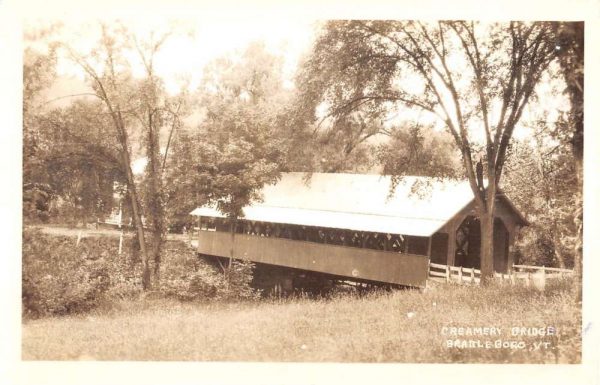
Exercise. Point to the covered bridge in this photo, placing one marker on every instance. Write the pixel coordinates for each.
(352, 226)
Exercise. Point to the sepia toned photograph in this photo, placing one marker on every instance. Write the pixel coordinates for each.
(212, 188)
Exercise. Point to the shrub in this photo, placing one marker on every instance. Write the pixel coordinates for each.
(188, 277)
(56, 280)
(62, 278)
(185, 277)
(59, 277)
(239, 280)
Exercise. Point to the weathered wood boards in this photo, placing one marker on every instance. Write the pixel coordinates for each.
(352, 226)
(358, 263)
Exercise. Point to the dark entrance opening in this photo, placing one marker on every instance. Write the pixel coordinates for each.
(500, 246)
(468, 244)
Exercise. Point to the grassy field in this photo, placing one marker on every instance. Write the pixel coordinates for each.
(401, 326)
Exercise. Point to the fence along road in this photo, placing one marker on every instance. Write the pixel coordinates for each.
(536, 275)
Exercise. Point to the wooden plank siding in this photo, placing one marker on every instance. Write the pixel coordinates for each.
(503, 213)
(439, 248)
(352, 262)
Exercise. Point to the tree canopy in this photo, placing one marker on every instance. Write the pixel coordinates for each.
(398, 97)
(234, 151)
(475, 79)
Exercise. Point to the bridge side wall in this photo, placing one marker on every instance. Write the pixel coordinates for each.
(352, 262)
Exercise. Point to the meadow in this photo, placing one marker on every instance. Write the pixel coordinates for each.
(408, 326)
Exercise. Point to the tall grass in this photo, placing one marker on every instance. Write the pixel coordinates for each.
(401, 326)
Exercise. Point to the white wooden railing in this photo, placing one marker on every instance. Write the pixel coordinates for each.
(458, 274)
(536, 275)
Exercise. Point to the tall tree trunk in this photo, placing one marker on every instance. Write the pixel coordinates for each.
(575, 90)
(133, 196)
(557, 247)
(137, 218)
(155, 204)
(157, 244)
(577, 143)
(571, 59)
(232, 227)
(135, 251)
(486, 219)
(577, 263)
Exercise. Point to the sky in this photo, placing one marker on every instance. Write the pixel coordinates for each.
(199, 39)
(195, 42)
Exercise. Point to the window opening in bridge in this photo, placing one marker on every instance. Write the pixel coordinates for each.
(340, 237)
(398, 243)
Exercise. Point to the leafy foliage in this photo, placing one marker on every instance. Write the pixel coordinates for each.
(189, 278)
(60, 277)
(81, 160)
(541, 178)
(569, 39)
(475, 79)
(416, 150)
(570, 42)
(81, 150)
(38, 73)
(234, 151)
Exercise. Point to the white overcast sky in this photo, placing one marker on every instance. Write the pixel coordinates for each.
(200, 38)
(197, 40)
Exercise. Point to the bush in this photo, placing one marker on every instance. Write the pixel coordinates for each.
(536, 246)
(36, 202)
(187, 277)
(239, 280)
(59, 277)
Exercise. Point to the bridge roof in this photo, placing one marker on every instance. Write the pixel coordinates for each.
(418, 206)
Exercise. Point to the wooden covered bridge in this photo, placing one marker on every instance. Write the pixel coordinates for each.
(349, 226)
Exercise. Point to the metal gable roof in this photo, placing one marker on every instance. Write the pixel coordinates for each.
(419, 205)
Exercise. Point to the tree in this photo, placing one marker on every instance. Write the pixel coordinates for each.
(80, 160)
(476, 79)
(541, 178)
(38, 73)
(156, 113)
(417, 150)
(569, 40)
(135, 107)
(238, 161)
(234, 152)
(345, 146)
(112, 85)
